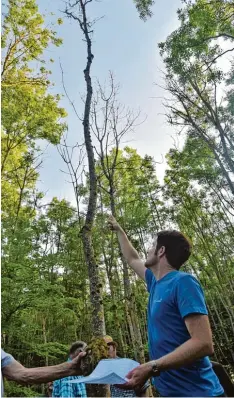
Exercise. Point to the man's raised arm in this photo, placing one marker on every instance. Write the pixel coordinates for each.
(130, 254)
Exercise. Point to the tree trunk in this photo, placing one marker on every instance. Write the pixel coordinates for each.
(98, 322)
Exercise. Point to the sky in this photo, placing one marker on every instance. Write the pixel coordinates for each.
(127, 46)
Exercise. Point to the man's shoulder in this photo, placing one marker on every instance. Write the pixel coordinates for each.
(181, 281)
(185, 276)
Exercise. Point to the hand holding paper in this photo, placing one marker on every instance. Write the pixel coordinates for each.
(109, 371)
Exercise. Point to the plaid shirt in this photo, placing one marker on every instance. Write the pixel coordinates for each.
(117, 392)
(62, 388)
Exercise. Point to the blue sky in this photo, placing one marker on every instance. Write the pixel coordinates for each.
(128, 47)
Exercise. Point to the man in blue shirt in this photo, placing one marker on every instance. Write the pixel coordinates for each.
(179, 333)
(63, 388)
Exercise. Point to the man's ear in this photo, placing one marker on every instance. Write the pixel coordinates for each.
(161, 251)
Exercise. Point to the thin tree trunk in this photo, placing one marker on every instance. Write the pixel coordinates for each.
(98, 322)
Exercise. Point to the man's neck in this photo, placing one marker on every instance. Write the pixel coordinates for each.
(160, 271)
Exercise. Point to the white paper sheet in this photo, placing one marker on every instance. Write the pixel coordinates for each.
(109, 371)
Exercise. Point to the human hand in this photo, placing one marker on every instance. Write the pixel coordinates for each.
(137, 378)
(76, 364)
(113, 224)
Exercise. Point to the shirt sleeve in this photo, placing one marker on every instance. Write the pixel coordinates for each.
(6, 359)
(190, 297)
(149, 278)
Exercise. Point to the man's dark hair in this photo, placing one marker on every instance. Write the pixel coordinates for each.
(177, 247)
(77, 345)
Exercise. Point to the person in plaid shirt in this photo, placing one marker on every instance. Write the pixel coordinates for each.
(63, 388)
(114, 390)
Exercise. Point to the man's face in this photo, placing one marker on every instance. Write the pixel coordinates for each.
(111, 351)
(152, 258)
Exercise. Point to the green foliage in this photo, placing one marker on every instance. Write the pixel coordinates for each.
(144, 8)
(24, 39)
(31, 300)
(202, 23)
(12, 389)
(195, 79)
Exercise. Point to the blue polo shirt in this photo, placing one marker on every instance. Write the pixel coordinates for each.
(171, 299)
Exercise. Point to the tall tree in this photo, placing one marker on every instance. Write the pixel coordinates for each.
(78, 11)
(195, 80)
(29, 113)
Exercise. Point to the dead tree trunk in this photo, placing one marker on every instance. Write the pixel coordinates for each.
(95, 285)
(98, 322)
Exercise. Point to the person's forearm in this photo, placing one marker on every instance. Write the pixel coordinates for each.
(185, 354)
(44, 374)
(130, 254)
